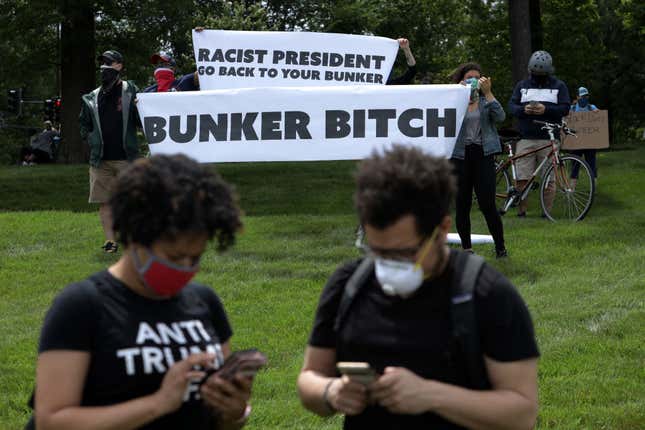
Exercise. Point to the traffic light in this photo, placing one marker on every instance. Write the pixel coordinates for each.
(57, 105)
(48, 110)
(14, 101)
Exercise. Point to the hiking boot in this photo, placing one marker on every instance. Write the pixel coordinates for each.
(110, 247)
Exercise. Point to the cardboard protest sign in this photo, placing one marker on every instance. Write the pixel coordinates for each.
(251, 59)
(302, 124)
(592, 129)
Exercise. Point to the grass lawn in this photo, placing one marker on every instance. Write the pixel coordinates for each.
(584, 283)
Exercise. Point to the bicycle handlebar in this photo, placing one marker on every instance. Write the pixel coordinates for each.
(553, 126)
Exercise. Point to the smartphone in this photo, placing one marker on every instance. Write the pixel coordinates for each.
(246, 363)
(533, 103)
(357, 371)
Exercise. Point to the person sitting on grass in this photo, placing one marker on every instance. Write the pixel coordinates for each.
(40, 149)
(126, 348)
(394, 312)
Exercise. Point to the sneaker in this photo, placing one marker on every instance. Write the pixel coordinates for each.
(501, 253)
(110, 247)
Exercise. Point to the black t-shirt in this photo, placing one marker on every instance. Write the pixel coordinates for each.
(415, 333)
(134, 340)
(111, 116)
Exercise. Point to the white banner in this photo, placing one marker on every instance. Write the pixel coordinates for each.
(302, 124)
(249, 59)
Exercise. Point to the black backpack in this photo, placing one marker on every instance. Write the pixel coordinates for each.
(462, 310)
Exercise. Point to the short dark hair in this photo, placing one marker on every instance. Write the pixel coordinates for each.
(164, 196)
(400, 181)
(461, 70)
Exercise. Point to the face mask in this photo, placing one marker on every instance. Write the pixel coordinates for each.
(163, 277)
(540, 79)
(473, 83)
(582, 101)
(165, 78)
(109, 77)
(402, 278)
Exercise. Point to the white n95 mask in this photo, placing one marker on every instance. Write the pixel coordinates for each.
(398, 278)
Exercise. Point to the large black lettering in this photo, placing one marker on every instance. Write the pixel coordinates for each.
(434, 121)
(404, 122)
(270, 126)
(174, 130)
(243, 124)
(153, 127)
(203, 55)
(359, 123)
(208, 127)
(336, 124)
(382, 116)
(296, 122)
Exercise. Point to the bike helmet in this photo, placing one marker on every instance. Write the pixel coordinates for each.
(541, 63)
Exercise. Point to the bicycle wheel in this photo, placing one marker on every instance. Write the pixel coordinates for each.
(503, 187)
(572, 198)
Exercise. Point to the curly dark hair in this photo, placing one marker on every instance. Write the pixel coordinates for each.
(163, 196)
(458, 74)
(404, 180)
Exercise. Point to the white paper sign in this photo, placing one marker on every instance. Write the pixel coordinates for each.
(248, 59)
(302, 124)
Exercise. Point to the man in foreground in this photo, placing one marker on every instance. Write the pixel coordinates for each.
(395, 311)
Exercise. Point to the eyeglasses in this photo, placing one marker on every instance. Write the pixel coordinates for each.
(403, 254)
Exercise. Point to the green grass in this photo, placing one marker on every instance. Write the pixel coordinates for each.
(584, 283)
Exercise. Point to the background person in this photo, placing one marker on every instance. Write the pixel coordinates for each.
(164, 74)
(108, 121)
(117, 350)
(474, 160)
(411, 62)
(582, 104)
(40, 149)
(400, 323)
(541, 97)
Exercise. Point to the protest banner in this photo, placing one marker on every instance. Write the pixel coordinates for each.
(251, 59)
(302, 124)
(592, 130)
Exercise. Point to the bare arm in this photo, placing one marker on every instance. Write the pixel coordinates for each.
(318, 375)
(60, 377)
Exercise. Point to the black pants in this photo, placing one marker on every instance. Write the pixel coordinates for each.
(39, 155)
(477, 172)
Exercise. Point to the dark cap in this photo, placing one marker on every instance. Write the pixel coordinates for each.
(111, 57)
(162, 57)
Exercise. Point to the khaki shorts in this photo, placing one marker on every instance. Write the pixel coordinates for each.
(525, 166)
(103, 178)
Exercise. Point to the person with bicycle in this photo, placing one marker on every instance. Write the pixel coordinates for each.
(394, 315)
(540, 97)
(473, 157)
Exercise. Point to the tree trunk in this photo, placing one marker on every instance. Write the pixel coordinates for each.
(519, 16)
(537, 34)
(77, 73)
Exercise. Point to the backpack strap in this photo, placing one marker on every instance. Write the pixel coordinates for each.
(352, 287)
(464, 325)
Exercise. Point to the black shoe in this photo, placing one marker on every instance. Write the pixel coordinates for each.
(543, 215)
(501, 253)
(521, 214)
(110, 247)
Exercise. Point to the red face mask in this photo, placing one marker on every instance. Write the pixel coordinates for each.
(163, 277)
(165, 78)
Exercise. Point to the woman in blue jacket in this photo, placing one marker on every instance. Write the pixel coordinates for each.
(473, 156)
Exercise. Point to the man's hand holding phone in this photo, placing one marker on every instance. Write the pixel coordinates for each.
(349, 393)
(534, 108)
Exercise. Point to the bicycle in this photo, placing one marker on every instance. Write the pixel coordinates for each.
(572, 198)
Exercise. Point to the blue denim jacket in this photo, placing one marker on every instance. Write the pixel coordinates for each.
(490, 113)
